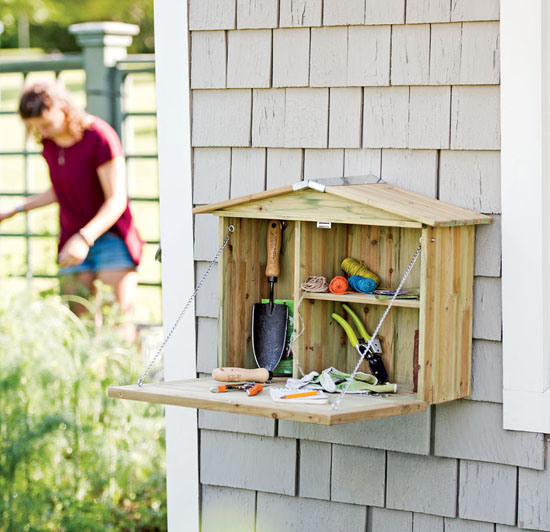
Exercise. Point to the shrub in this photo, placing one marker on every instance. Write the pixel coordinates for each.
(71, 459)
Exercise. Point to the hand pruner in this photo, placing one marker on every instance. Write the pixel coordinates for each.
(373, 354)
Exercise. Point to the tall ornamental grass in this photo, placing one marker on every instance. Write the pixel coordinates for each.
(71, 459)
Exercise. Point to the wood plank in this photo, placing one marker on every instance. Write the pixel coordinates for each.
(243, 199)
(446, 314)
(311, 205)
(409, 204)
(365, 299)
(195, 393)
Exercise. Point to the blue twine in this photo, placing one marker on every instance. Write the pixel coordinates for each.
(361, 284)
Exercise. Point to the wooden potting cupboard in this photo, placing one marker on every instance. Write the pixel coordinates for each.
(426, 343)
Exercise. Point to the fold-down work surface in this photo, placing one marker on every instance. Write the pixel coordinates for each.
(195, 393)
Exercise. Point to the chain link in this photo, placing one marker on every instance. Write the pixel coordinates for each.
(230, 230)
(375, 333)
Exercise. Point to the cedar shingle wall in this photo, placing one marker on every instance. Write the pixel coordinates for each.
(407, 90)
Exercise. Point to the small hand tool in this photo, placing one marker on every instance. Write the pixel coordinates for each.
(241, 374)
(270, 320)
(373, 355)
(250, 388)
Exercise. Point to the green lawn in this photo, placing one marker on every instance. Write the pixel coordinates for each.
(40, 258)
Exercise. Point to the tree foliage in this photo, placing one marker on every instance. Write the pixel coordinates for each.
(48, 21)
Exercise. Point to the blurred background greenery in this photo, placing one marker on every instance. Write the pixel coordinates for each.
(43, 23)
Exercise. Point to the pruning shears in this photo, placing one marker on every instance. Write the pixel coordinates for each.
(360, 344)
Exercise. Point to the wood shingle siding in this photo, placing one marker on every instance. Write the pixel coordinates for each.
(438, 476)
(338, 13)
(212, 15)
(284, 167)
(298, 13)
(414, 170)
(473, 430)
(211, 173)
(249, 59)
(315, 469)
(471, 179)
(410, 55)
(352, 488)
(208, 60)
(257, 14)
(408, 434)
(422, 11)
(362, 162)
(239, 423)
(273, 461)
(247, 171)
(221, 117)
(291, 57)
(477, 498)
(345, 118)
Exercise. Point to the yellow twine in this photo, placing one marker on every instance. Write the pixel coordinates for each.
(355, 267)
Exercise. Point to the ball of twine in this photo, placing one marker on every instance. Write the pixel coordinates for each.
(355, 267)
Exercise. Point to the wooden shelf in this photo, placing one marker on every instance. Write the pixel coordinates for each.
(195, 393)
(366, 299)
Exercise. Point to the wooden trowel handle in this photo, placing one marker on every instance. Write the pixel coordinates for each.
(241, 374)
(274, 235)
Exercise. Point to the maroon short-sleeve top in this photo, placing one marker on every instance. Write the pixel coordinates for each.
(73, 173)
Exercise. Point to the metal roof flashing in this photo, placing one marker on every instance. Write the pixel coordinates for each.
(321, 184)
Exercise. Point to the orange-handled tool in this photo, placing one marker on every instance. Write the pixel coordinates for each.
(249, 388)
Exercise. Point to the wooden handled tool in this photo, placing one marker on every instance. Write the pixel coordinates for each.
(249, 388)
(242, 374)
(274, 236)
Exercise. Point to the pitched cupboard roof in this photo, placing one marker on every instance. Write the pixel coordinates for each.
(341, 203)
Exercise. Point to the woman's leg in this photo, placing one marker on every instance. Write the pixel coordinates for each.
(124, 283)
(77, 284)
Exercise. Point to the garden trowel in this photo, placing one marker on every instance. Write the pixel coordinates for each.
(269, 320)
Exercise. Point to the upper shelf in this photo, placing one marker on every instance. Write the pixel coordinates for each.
(365, 299)
(195, 393)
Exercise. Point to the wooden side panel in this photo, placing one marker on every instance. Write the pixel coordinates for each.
(446, 314)
(243, 283)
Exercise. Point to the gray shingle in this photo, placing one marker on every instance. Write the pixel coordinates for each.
(221, 117)
(249, 59)
(211, 172)
(212, 15)
(414, 170)
(315, 465)
(362, 162)
(410, 55)
(488, 252)
(410, 434)
(227, 509)
(206, 302)
(471, 179)
(462, 525)
(534, 499)
(428, 523)
(209, 419)
(323, 163)
(475, 10)
(205, 243)
(425, 484)
(277, 513)
(487, 308)
(297, 13)
(487, 492)
(248, 462)
(284, 167)
(384, 520)
(419, 11)
(486, 371)
(257, 13)
(247, 171)
(207, 344)
(473, 430)
(358, 475)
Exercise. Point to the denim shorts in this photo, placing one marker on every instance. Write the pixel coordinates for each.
(109, 252)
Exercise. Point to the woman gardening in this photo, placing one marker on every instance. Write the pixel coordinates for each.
(98, 236)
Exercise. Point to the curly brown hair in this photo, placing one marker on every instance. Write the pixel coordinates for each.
(41, 96)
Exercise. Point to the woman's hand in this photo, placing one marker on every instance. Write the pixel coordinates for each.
(4, 215)
(73, 252)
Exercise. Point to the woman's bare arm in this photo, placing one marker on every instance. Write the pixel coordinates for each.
(32, 202)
